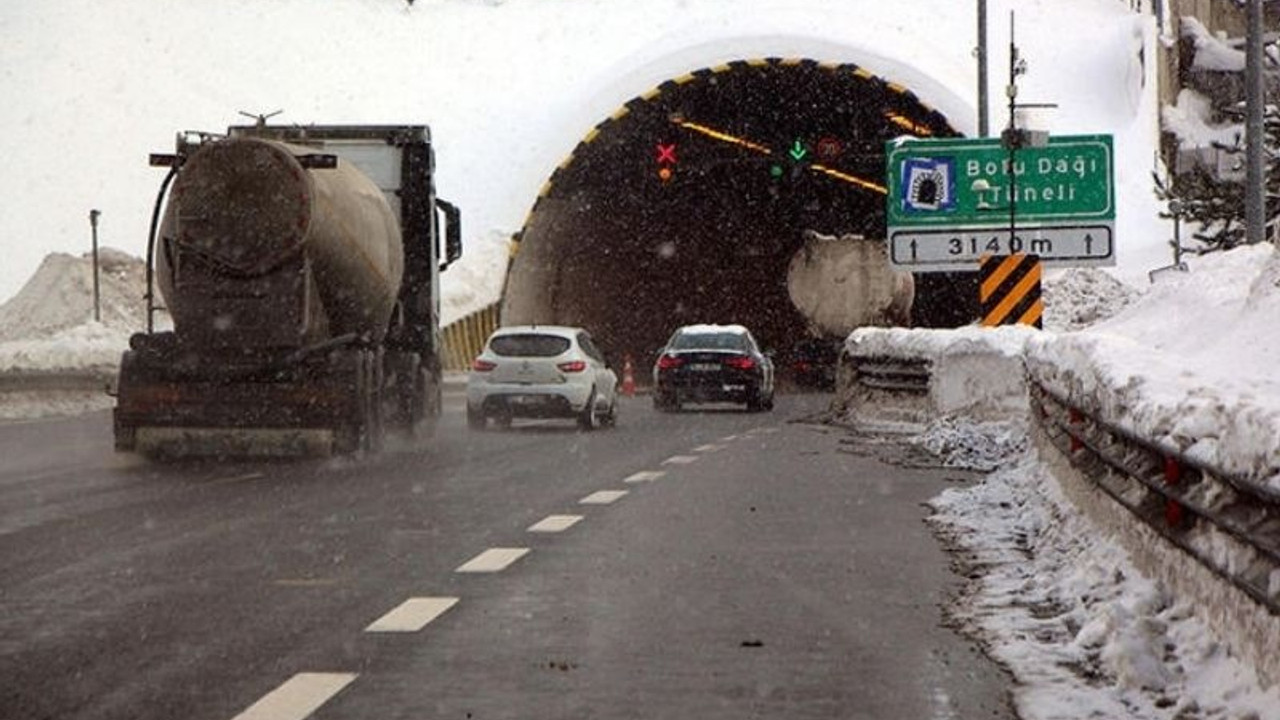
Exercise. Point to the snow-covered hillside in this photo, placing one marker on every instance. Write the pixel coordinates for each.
(508, 87)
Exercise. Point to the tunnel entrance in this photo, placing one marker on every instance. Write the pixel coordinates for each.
(687, 205)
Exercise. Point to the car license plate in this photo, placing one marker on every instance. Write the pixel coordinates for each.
(704, 367)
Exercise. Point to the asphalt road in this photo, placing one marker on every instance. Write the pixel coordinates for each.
(707, 564)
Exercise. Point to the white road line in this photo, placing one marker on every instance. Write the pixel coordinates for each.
(412, 615)
(728, 438)
(644, 476)
(708, 448)
(492, 560)
(680, 460)
(237, 478)
(298, 697)
(602, 497)
(555, 523)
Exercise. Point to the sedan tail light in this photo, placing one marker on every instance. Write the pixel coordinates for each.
(482, 365)
(667, 362)
(574, 366)
(740, 362)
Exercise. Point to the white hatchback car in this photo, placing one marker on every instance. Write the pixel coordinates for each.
(541, 371)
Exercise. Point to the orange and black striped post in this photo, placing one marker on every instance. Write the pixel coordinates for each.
(1009, 290)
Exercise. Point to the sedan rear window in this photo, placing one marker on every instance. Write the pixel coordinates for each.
(710, 341)
(529, 345)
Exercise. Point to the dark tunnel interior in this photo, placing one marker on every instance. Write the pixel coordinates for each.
(687, 205)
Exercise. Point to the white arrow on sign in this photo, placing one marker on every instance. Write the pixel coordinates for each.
(919, 250)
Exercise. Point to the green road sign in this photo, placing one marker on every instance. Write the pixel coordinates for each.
(951, 190)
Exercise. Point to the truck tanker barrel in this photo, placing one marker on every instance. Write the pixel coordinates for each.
(301, 267)
(251, 239)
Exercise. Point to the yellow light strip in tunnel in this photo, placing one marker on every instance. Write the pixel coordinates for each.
(724, 136)
(907, 123)
(866, 184)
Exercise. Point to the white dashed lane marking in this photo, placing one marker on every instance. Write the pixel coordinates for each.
(645, 476)
(412, 615)
(555, 523)
(708, 448)
(492, 560)
(602, 497)
(298, 697)
(680, 460)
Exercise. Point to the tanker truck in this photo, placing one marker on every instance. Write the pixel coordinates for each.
(300, 266)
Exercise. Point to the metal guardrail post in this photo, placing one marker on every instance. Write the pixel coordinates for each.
(1174, 517)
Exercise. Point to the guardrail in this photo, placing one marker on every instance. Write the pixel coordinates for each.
(1230, 524)
(890, 373)
(463, 339)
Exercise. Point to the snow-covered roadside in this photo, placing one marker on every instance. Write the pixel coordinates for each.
(1083, 632)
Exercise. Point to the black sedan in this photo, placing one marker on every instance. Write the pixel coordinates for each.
(712, 363)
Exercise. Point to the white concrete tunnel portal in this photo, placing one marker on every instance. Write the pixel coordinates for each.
(688, 204)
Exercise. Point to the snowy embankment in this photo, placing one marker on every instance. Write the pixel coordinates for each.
(48, 329)
(1057, 593)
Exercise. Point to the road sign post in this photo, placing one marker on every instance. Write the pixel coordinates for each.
(949, 202)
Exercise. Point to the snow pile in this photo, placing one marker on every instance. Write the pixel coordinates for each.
(1189, 364)
(1191, 120)
(1080, 297)
(1084, 634)
(60, 296)
(959, 442)
(92, 346)
(49, 325)
(1211, 53)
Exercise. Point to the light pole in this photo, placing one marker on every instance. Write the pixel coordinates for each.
(1255, 201)
(983, 128)
(97, 306)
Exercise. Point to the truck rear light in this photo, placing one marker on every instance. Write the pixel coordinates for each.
(740, 362)
(482, 365)
(667, 362)
(574, 366)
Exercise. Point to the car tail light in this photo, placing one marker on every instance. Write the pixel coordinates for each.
(740, 362)
(482, 365)
(573, 366)
(666, 362)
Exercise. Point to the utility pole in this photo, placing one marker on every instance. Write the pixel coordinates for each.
(984, 129)
(1255, 201)
(1012, 137)
(97, 305)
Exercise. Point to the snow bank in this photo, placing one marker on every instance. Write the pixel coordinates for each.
(1190, 363)
(1063, 607)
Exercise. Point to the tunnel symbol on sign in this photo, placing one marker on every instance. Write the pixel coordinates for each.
(928, 184)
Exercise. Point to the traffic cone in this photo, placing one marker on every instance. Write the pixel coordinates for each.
(628, 377)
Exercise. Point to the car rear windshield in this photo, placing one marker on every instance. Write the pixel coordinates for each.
(529, 345)
(710, 341)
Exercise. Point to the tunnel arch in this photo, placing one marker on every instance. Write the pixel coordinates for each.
(687, 202)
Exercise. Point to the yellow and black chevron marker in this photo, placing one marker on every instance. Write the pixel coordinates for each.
(1009, 290)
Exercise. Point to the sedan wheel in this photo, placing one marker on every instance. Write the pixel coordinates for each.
(590, 417)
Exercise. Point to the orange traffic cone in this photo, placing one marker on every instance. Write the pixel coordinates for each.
(628, 377)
